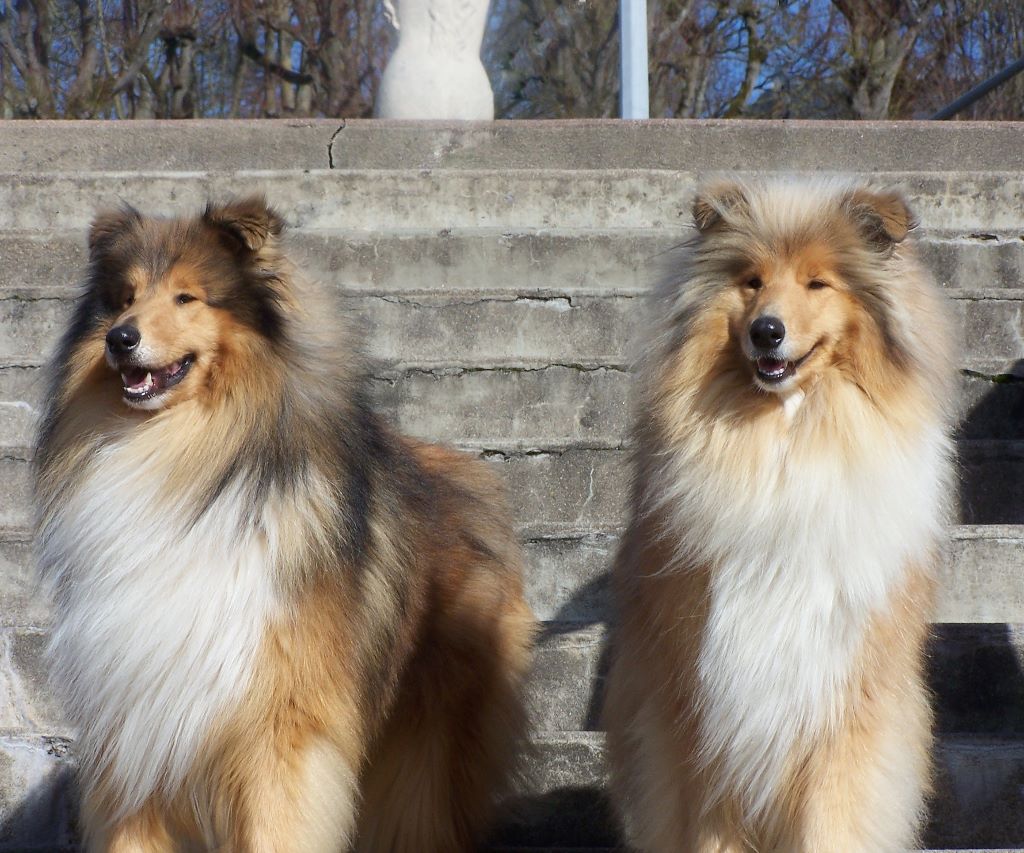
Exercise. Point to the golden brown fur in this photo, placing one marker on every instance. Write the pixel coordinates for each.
(775, 584)
(363, 591)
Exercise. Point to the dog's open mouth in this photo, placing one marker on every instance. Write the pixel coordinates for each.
(772, 370)
(145, 383)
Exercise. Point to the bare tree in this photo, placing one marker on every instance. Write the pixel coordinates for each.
(316, 56)
(546, 58)
(552, 58)
(880, 36)
(963, 43)
(62, 63)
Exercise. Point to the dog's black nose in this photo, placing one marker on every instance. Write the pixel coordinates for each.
(123, 339)
(767, 332)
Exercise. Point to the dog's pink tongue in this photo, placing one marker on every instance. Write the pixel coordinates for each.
(133, 376)
(770, 365)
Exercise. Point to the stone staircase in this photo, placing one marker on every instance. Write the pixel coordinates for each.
(499, 270)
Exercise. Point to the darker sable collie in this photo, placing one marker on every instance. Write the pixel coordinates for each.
(280, 626)
(775, 583)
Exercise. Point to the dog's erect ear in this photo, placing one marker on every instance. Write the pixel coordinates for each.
(881, 216)
(249, 222)
(108, 225)
(715, 202)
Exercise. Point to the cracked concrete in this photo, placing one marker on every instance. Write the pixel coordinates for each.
(330, 144)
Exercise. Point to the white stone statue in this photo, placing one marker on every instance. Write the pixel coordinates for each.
(436, 72)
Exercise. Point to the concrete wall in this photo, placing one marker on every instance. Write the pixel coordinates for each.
(499, 271)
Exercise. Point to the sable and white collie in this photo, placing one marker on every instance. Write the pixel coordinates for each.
(279, 625)
(792, 469)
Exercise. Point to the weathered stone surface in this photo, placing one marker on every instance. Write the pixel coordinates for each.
(15, 491)
(476, 261)
(517, 408)
(980, 578)
(74, 146)
(977, 263)
(527, 409)
(507, 330)
(496, 331)
(22, 390)
(710, 145)
(480, 332)
(571, 491)
(30, 329)
(567, 577)
(429, 201)
(33, 706)
(578, 262)
(22, 602)
(565, 683)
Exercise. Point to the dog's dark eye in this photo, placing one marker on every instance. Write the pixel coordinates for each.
(754, 283)
(817, 284)
(184, 298)
(129, 300)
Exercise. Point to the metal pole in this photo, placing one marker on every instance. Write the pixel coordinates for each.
(979, 91)
(635, 96)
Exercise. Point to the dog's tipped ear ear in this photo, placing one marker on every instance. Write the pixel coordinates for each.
(108, 225)
(715, 202)
(250, 222)
(882, 216)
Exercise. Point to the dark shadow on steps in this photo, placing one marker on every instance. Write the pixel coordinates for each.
(564, 818)
(975, 671)
(42, 819)
(551, 816)
(591, 598)
(976, 676)
(991, 444)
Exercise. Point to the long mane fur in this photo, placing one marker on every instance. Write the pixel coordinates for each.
(806, 525)
(276, 463)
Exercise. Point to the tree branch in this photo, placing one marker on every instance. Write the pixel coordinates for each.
(256, 55)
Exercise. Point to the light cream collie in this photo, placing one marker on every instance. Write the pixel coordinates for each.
(279, 625)
(792, 471)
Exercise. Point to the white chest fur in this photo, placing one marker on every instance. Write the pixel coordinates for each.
(157, 625)
(805, 547)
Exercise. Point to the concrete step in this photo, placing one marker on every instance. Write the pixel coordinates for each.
(790, 146)
(485, 261)
(975, 672)
(529, 282)
(566, 580)
(417, 200)
(512, 328)
(519, 410)
(569, 490)
(978, 802)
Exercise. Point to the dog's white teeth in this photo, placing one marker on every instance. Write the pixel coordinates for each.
(149, 379)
